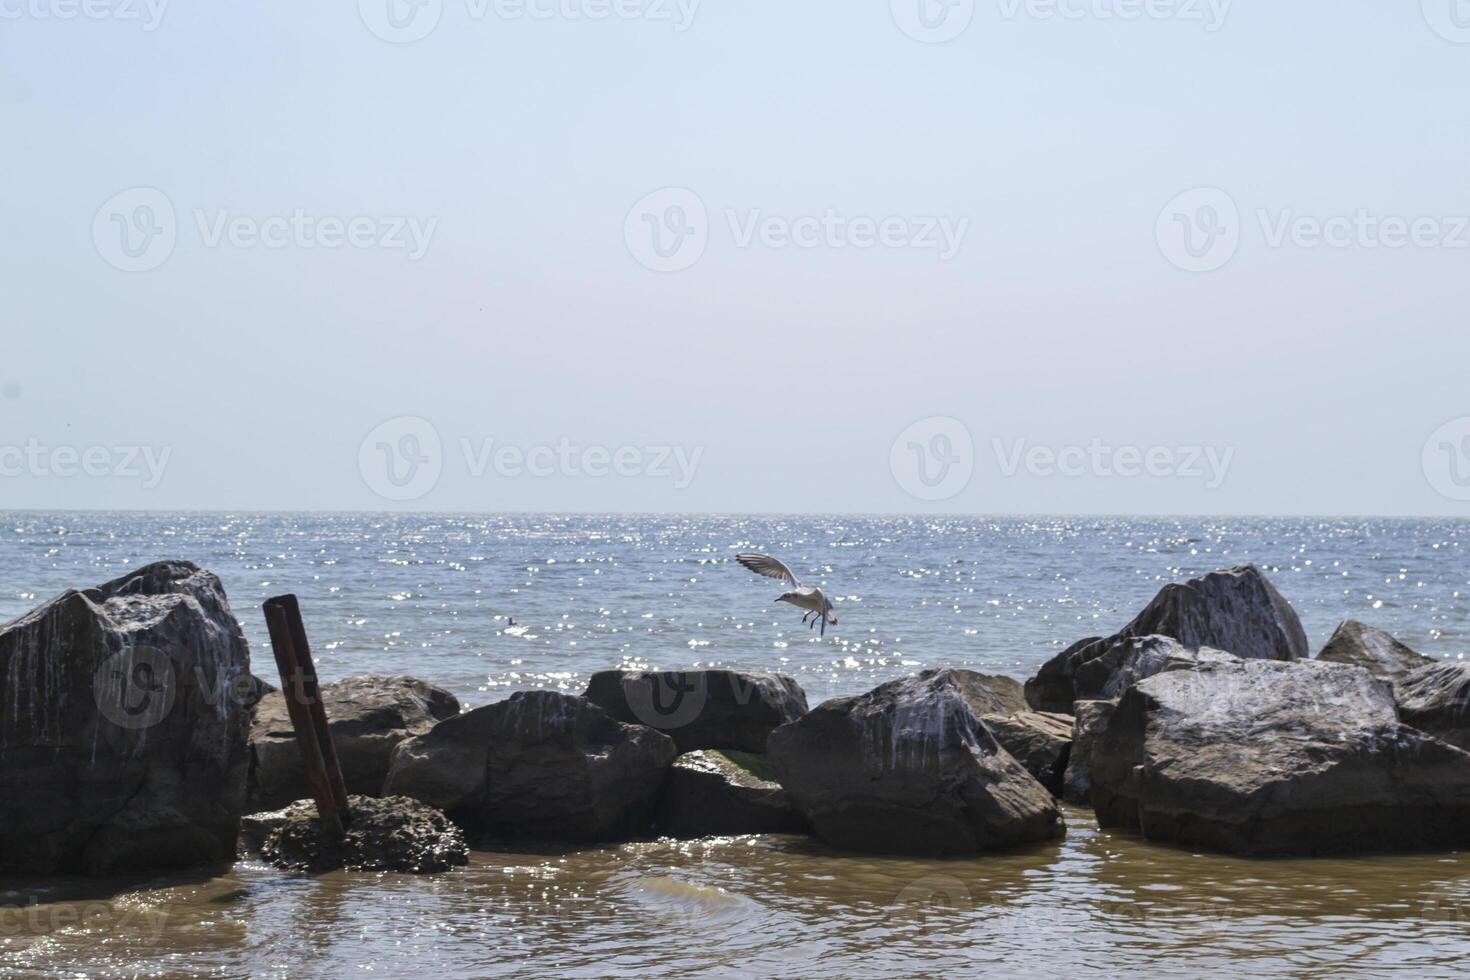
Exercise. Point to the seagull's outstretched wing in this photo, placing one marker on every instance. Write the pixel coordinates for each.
(769, 567)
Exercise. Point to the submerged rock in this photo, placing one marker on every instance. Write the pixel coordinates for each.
(123, 716)
(1436, 699)
(701, 709)
(1261, 757)
(711, 793)
(1236, 610)
(1372, 649)
(539, 765)
(368, 716)
(388, 834)
(910, 767)
(1090, 721)
(1039, 741)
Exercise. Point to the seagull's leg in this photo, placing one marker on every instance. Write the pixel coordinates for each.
(824, 625)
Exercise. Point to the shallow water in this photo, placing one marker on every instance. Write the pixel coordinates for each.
(429, 596)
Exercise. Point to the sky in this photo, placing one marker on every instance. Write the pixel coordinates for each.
(1015, 256)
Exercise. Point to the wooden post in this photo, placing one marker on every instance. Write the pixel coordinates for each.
(308, 716)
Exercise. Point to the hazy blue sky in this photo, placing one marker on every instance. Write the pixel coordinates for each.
(1053, 144)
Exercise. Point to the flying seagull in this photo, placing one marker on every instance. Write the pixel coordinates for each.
(802, 596)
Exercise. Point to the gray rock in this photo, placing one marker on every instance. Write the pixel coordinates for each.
(1236, 610)
(1263, 757)
(1131, 659)
(122, 732)
(1436, 699)
(701, 709)
(539, 765)
(713, 793)
(1372, 649)
(910, 767)
(389, 834)
(1090, 721)
(368, 716)
(1039, 741)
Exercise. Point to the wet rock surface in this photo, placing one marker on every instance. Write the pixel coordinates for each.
(1436, 699)
(1263, 757)
(1372, 649)
(701, 709)
(1090, 721)
(368, 716)
(539, 765)
(123, 717)
(1039, 741)
(386, 834)
(713, 793)
(910, 767)
(1235, 610)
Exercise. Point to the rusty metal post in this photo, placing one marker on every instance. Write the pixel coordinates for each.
(308, 716)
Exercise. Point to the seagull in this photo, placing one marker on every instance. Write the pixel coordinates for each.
(802, 596)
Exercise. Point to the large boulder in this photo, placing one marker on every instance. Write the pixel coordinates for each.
(701, 709)
(1039, 741)
(1261, 757)
(1372, 649)
(389, 834)
(723, 794)
(123, 716)
(368, 716)
(540, 765)
(1090, 721)
(1436, 699)
(1236, 610)
(910, 767)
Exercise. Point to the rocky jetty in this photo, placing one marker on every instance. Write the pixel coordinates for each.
(1261, 757)
(123, 721)
(910, 767)
(1039, 741)
(701, 709)
(1090, 721)
(1372, 649)
(712, 793)
(1236, 610)
(368, 716)
(1436, 699)
(539, 765)
(388, 834)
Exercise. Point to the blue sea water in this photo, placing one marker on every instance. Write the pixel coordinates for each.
(434, 595)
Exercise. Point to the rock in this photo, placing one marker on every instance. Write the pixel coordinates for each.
(122, 727)
(711, 793)
(1236, 610)
(1090, 721)
(1436, 699)
(1131, 659)
(1041, 742)
(910, 768)
(389, 834)
(1259, 757)
(368, 716)
(701, 709)
(539, 765)
(1373, 650)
